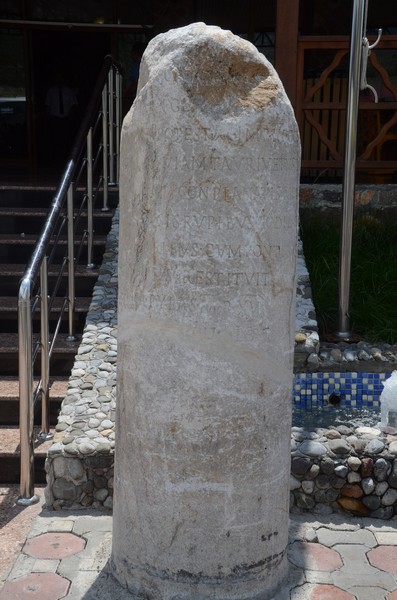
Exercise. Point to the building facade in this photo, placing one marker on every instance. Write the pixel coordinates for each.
(306, 40)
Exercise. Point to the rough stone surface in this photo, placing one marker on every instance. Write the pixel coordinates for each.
(206, 294)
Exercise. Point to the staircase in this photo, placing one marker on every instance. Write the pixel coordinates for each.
(22, 215)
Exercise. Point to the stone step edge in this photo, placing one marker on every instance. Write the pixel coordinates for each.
(10, 442)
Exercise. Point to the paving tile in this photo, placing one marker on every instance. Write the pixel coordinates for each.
(48, 525)
(320, 592)
(384, 558)
(100, 586)
(392, 596)
(369, 593)
(349, 579)
(354, 557)
(54, 545)
(42, 565)
(309, 555)
(386, 538)
(69, 566)
(319, 577)
(40, 586)
(92, 523)
(331, 538)
(15, 522)
(380, 525)
(22, 566)
(97, 543)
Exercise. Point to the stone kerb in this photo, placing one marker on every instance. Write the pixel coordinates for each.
(208, 241)
(79, 465)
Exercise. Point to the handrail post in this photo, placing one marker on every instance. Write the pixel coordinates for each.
(25, 355)
(90, 222)
(71, 274)
(105, 147)
(111, 126)
(344, 332)
(45, 358)
(118, 122)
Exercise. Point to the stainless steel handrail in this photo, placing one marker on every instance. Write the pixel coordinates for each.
(91, 142)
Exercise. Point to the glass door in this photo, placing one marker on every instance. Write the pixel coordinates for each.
(13, 106)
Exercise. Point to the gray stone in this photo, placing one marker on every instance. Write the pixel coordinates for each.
(339, 446)
(101, 494)
(308, 486)
(382, 468)
(341, 471)
(313, 360)
(65, 490)
(393, 447)
(374, 446)
(344, 430)
(381, 488)
(60, 466)
(314, 449)
(383, 513)
(353, 477)
(300, 465)
(371, 502)
(86, 447)
(76, 470)
(389, 497)
(208, 215)
(327, 465)
(323, 481)
(304, 501)
(312, 473)
(354, 463)
(368, 485)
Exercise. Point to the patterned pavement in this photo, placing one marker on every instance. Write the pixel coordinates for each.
(66, 556)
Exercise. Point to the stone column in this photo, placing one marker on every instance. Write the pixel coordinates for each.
(209, 197)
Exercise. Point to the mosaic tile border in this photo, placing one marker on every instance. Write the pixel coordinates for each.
(355, 390)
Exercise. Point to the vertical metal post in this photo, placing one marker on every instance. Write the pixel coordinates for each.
(90, 221)
(45, 358)
(71, 265)
(105, 147)
(27, 495)
(111, 126)
(118, 122)
(349, 169)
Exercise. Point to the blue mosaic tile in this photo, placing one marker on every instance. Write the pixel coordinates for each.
(312, 390)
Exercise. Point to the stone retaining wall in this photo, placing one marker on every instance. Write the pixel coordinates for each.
(340, 468)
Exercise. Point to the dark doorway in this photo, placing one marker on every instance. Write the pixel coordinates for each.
(76, 57)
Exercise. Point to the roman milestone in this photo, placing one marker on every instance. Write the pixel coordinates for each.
(209, 197)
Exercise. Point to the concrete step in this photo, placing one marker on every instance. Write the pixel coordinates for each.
(9, 400)
(29, 239)
(11, 274)
(10, 455)
(61, 361)
(9, 305)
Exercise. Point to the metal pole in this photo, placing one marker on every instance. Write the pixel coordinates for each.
(111, 126)
(71, 275)
(105, 147)
(45, 359)
(349, 169)
(90, 222)
(27, 496)
(118, 123)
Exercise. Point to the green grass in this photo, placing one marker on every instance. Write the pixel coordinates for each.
(373, 293)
